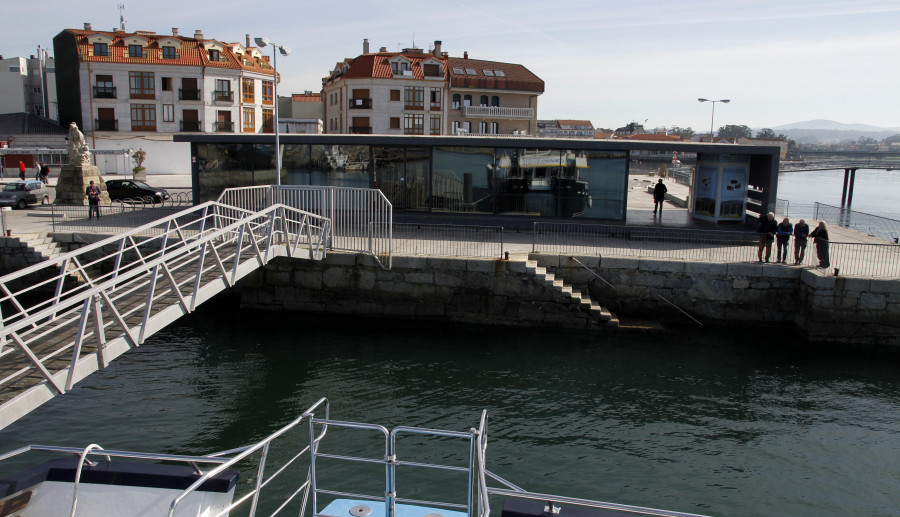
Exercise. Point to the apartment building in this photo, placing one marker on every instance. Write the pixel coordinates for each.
(565, 129)
(28, 85)
(414, 92)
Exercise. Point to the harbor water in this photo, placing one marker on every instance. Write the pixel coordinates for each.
(741, 422)
(876, 191)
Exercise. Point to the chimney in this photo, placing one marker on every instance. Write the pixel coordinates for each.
(366, 46)
(465, 54)
(437, 48)
(87, 26)
(248, 41)
(198, 34)
(382, 49)
(31, 56)
(174, 31)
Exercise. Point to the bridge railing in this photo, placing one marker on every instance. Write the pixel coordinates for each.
(62, 319)
(877, 226)
(361, 218)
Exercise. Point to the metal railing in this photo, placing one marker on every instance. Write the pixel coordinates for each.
(119, 215)
(361, 218)
(499, 112)
(849, 258)
(103, 299)
(876, 226)
(448, 240)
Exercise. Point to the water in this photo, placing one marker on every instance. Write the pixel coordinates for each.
(738, 423)
(876, 192)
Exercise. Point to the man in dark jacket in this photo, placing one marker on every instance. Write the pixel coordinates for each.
(766, 230)
(801, 233)
(659, 195)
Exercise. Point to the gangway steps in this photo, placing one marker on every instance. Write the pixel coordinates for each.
(575, 296)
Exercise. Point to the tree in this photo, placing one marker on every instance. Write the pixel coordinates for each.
(768, 134)
(734, 132)
(684, 132)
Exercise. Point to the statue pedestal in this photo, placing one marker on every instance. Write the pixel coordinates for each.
(73, 180)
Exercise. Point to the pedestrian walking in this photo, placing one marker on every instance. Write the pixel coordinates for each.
(801, 233)
(821, 236)
(659, 195)
(766, 230)
(45, 173)
(783, 237)
(22, 171)
(93, 194)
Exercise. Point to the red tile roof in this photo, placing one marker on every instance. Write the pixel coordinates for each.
(650, 136)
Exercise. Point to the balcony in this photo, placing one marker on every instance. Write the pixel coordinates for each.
(361, 130)
(360, 104)
(498, 112)
(223, 127)
(223, 96)
(106, 124)
(190, 126)
(104, 92)
(188, 95)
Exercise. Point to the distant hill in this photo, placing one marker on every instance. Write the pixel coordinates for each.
(831, 132)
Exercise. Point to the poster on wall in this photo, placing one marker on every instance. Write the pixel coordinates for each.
(733, 193)
(705, 191)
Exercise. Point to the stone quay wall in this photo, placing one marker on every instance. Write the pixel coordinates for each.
(820, 307)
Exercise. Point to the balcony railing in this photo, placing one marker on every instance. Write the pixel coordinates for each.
(106, 124)
(190, 125)
(498, 112)
(223, 127)
(186, 94)
(223, 95)
(361, 104)
(361, 130)
(104, 92)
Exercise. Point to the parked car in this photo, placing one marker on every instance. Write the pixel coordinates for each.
(134, 189)
(23, 193)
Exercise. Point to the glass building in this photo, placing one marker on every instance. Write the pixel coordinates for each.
(536, 178)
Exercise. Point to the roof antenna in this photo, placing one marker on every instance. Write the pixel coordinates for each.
(121, 17)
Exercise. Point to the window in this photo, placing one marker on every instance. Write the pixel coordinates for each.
(431, 70)
(135, 51)
(247, 90)
(435, 125)
(499, 73)
(143, 117)
(101, 49)
(397, 68)
(248, 120)
(168, 112)
(495, 128)
(142, 85)
(169, 53)
(414, 124)
(495, 101)
(455, 127)
(104, 88)
(190, 120)
(435, 98)
(36, 89)
(166, 84)
(482, 127)
(414, 98)
(189, 90)
(471, 71)
(213, 55)
(458, 71)
(223, 90)
(467, 126)
(488, 72)
(467, 101)
(106, 120)
(484, 100)
(395, 96)
(15, 69)
(268, 121)
(268, 97)
(455, 104)
(395, 122)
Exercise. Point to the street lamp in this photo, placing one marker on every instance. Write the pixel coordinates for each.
(712, 120)
(263, 43)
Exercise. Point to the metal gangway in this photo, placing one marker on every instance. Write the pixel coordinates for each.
(63, 319)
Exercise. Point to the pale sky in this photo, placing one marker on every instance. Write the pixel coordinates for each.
(611, 62)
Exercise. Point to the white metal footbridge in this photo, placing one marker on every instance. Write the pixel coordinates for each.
(63, 319)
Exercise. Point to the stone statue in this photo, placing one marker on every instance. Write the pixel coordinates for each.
(79, 152)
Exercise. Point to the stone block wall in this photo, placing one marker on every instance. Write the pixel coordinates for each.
(474, 290)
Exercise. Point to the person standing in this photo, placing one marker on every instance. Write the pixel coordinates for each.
(659, 195)
(766, 230)
(45, 173)
(22, 171)
(783, 236)
(801, 233)
(93, 194)
(821, 236)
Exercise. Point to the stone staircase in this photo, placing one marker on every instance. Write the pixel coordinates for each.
(40, 247)
(575, 296)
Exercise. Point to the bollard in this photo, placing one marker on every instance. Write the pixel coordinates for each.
(836, 271)
(505, 255)
(3, 211)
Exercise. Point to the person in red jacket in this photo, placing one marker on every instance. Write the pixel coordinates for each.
(22, 171)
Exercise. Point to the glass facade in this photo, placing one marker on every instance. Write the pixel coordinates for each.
(565, 183)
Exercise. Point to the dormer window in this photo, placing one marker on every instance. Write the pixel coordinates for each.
(398, 67)
(169, 53)
(213, 54)
(135, 51)
(101, 49)
(431, 70)
(471, 71)
(458, 71)
(499, 73)
(488, 72)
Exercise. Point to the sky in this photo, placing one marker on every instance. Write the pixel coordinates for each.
(610, 62)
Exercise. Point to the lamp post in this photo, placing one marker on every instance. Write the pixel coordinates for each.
(263, 43)
(712, 120)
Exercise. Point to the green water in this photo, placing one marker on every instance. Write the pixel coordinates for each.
(738, 422)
